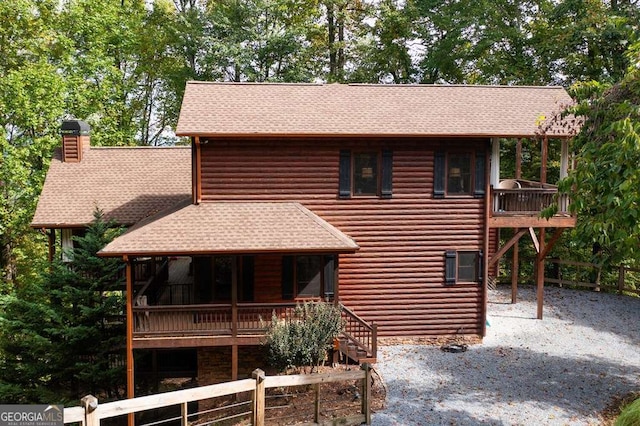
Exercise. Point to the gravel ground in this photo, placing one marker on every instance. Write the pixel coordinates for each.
(562, 370)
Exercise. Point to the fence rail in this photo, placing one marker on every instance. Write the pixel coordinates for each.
(90, 413)
(527, 201)
(589, 275)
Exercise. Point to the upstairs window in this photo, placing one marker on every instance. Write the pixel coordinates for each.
(366, 173)
(459, 174)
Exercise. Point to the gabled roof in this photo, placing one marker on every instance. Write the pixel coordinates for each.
(128, 184)
(277, 109)
(230, 227)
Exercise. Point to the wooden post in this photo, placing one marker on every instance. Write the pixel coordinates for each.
(316, 406)
(90, 403)
(366, 393)
(543, 160)
(196, 171)
(540, 273)
(258, 398)
(130, 365)
(518, 159)
(374, 340)
(515, 270)
(234, 318)
(621, 272)
(51, 237)
(598, 273)
(185, 414)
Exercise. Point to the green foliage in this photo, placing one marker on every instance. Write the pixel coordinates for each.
(607, 178)
(630, 415)
(304, 338)
(59, 336)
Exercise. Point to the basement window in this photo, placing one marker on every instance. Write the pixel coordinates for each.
(463, 267)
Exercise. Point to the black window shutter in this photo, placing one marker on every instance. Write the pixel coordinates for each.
(386, 190)
(329, 277)
(345, 174)
(450, 267)
(287, 277)
(480, 266)
(439, 175)
(478, 189)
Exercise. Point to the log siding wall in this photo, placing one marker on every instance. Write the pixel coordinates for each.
(396, 279)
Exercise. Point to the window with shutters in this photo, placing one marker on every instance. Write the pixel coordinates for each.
(459, 174)
(366, 173)
(308, 277)
(463, 267)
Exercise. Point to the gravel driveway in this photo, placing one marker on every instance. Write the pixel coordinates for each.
(562, 370)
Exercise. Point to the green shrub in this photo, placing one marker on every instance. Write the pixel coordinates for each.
(630, 415)
(304, 338)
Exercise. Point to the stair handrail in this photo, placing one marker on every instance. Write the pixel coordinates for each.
(371, 329)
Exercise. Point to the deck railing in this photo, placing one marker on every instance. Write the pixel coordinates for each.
(527, 201)
(251, 319)
(213, 319)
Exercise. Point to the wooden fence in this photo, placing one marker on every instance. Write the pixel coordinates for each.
(585, 274)
(252, 412)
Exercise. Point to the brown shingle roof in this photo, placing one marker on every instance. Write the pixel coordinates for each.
(336, 109)
(210, 228)
(128, 184)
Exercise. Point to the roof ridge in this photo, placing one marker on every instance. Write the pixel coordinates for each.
(386, 85)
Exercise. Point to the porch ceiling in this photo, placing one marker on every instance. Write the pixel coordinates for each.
(211, 228)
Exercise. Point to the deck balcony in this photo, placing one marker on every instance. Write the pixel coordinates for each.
(519, 203)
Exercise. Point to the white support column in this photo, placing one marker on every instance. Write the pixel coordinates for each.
(564, 159)
(495, 161)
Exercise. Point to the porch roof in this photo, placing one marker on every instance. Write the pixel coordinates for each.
(283, 109)
(230, 227)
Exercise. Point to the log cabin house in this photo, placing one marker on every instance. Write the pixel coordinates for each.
(385, 199)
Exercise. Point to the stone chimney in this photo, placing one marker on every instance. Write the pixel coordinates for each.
(75, 140)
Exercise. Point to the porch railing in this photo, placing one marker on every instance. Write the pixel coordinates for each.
(212, 319)
(251, 318)
(527, 201)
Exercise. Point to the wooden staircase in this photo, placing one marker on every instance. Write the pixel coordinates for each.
(359, 341)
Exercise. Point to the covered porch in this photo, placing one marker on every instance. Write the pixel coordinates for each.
(214, 274)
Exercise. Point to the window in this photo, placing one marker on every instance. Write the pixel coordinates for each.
(468, 266)
(463, 267)
(365, 174)
(459, 173)
(309, 276)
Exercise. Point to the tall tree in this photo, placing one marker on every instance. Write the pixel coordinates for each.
(62, 337)
(607, 178)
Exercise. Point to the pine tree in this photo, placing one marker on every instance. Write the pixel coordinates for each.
(64, 337)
